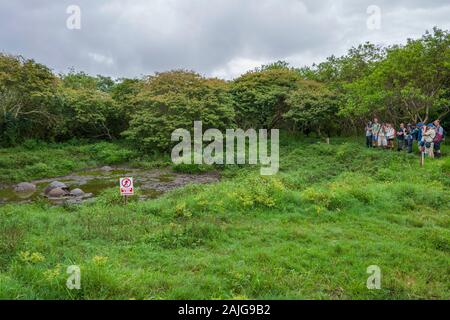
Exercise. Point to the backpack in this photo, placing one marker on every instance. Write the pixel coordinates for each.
(440, 137)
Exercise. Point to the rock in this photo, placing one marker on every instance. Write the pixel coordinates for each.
(54, 185)
(106, 168)
(57, 193)
(77, 193)
(25, 187)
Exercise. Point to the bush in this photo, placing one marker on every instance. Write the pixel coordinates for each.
(344, 192)
(38, 169)
(173, 100)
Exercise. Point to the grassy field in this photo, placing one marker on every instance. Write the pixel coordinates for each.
(308, 233)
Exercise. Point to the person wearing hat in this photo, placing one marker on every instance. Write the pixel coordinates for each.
(428, 136)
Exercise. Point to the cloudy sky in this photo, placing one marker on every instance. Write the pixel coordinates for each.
(223, 38)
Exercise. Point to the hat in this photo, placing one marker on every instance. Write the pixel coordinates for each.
(420, 124)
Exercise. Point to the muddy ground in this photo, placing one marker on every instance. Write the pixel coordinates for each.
(151, 183)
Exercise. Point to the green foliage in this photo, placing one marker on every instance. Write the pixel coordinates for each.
(175, 99)
(312, 108)
(334, 97)
(112, 196)
(308, 233)
(28, 100)
(191, 168)
(40, 160)
(90, 113)
(411, 94)
(260, 96)
(89, 108)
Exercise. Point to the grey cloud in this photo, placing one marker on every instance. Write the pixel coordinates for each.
(214, 37)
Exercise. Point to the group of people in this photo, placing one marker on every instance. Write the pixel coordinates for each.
(383, 135)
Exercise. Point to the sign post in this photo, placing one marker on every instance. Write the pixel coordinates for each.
(126, 187)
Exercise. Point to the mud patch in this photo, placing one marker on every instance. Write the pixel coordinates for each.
(151, 183)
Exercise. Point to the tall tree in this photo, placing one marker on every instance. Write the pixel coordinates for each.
(28, 99)
(411, 83)
(260, 95)
(313, 108)
(175, 99)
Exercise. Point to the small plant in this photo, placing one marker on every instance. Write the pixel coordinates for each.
(32, 258)
(181, 210)
(52, 274)
(99, 260)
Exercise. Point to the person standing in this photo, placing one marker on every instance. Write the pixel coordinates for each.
(428, 135)
(401, 135)
(369, 136)
(438, 139)
(420, 128)
(382, 141)
(411, 135)
(390, 135)
(376, 128)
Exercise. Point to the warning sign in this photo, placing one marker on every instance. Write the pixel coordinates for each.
(126, 186)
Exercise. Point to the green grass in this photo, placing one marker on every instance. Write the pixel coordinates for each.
(35, 160)
(308, 233)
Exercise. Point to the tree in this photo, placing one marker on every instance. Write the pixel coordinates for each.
(411, 84)
(175, 99)
(313, 107)
(88, 107)
(81, 80)
(337, 71)
(90, 114)
(28, 100)
(260, 95)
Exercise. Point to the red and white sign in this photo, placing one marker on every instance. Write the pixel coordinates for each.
(126, 186)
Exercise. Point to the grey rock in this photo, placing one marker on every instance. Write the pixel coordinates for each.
(54, 185)
(57, 193)
(106, 168)
(25, 187)
(77, 193)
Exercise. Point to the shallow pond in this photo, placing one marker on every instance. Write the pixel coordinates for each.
(151, 184)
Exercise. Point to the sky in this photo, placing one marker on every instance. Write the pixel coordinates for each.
(218, 38)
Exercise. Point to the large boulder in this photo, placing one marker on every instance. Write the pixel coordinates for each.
(25, 187)
(57, 193)
(54, 185)
(77, 193)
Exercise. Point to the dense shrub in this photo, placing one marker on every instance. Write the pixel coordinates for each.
(172, 100)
